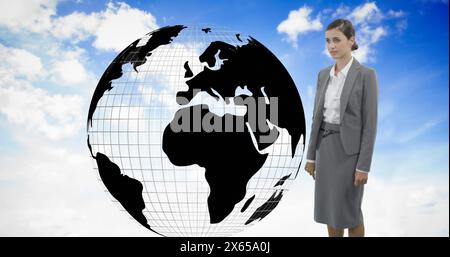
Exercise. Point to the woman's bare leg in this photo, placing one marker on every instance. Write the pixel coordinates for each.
(357, 231)
(332, 232)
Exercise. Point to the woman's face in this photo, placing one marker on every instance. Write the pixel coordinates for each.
(338, 45)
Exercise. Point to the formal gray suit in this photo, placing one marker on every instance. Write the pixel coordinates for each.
(358, 113)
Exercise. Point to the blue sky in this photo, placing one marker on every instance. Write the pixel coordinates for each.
(43, 108)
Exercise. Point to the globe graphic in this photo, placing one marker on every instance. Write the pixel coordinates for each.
(196, 131)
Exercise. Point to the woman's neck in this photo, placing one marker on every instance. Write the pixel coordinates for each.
(341, 62)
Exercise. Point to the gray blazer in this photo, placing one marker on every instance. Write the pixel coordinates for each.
(358, 114)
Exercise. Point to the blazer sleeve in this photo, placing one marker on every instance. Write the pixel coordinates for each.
(369, 114)
(311, 154)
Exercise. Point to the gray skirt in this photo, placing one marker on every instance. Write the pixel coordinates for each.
(337, 200)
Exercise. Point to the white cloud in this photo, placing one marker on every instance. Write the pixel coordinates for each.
(408, 206)
(327, 11)
(113, 29)
(395, 14)
(76, 26)
(366, 37)
(362, 53)
(31, 109)
(401, 25)
(121, 25)
(341, 11)
(299, 22)
(20, 63)
(367, 12)
(48, 190)
(34, 16)
(70, 71)
(366, 19)
(64, 67)
(412, 134)
(372, 35)
(67, 68)
(36, 110)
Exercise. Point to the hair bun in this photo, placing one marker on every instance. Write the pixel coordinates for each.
(355, 46)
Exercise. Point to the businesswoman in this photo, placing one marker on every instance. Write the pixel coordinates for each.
(342, 134)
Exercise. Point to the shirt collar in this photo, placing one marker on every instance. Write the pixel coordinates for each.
(344, 71)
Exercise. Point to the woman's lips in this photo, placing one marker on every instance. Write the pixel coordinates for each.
(333, 52)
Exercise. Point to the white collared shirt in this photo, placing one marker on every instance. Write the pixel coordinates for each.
(332, 103)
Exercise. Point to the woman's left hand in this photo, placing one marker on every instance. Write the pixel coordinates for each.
(361, 178)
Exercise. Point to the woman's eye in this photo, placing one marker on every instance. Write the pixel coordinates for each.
(335, 40)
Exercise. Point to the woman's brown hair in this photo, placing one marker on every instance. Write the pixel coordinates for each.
(346, 27)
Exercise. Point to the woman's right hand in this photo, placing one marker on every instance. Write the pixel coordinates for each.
(310, 167)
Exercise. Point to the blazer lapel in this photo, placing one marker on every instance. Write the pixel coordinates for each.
(348, 86)
(323, 89)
